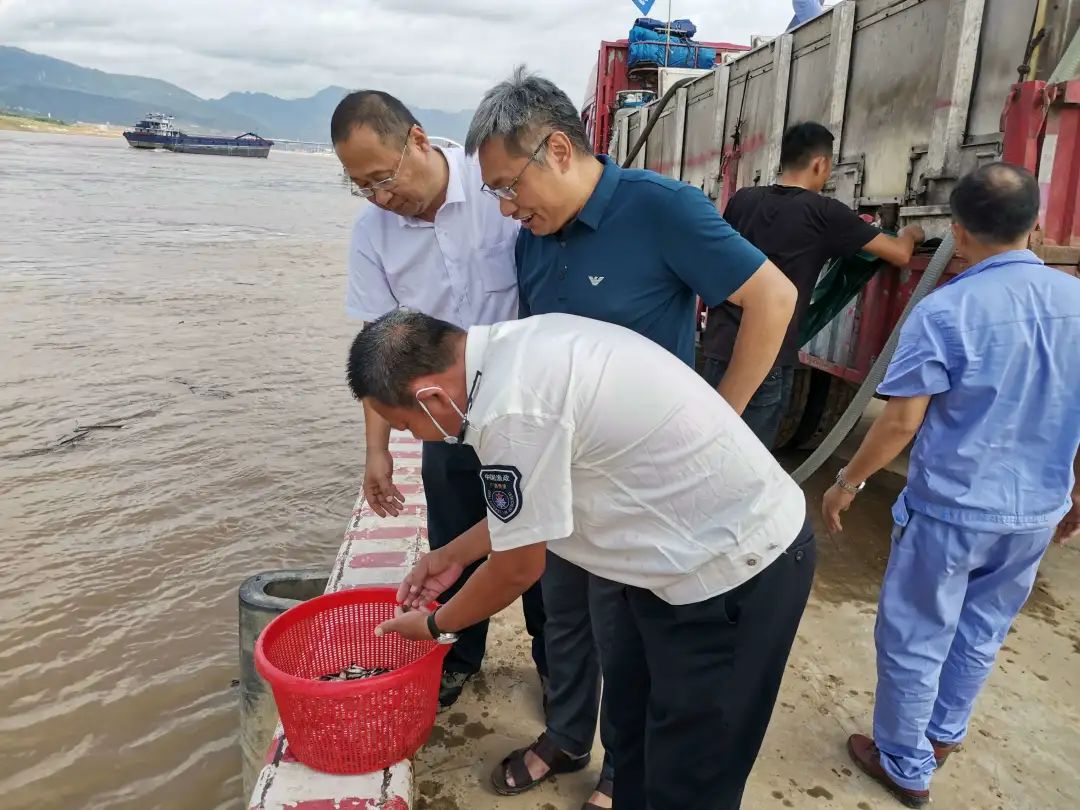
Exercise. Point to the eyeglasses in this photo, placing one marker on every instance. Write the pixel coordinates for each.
(507, 192)
(369, 191)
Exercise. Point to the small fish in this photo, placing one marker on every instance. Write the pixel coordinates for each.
(354, 672)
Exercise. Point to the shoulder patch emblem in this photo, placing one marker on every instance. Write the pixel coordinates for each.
(502, 491)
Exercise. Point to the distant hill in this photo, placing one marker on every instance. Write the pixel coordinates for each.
(33, 83)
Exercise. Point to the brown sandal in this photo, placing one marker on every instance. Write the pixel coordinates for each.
(557, 760)
(605, 786)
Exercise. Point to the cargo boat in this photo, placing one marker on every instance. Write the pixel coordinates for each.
(157, 131)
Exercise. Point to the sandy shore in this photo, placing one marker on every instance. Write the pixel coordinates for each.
(20, 123)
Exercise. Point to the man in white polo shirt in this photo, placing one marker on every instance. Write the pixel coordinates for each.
(430, 240)
(604, 448)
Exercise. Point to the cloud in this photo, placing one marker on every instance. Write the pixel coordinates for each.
(432, 53)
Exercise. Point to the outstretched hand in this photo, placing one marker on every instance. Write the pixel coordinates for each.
(379, 491)
(1069, 526)
(430, 577)
(833, 503)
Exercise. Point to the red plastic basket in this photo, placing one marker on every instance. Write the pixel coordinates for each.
(349, 726)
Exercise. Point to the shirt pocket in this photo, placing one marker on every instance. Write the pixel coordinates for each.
(495, 264)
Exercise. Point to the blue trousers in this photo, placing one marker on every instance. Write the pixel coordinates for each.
(948, 599)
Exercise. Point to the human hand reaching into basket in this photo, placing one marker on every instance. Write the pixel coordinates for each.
(432, 574)
(437, 571)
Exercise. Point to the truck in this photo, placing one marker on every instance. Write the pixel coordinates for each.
(614, 85)
(917, 93)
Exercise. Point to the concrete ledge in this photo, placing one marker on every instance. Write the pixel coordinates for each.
(376, 551)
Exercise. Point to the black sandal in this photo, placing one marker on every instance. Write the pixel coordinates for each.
(605, 786)
(557, 760)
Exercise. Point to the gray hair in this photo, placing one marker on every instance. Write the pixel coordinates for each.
(393, 350)
(521, 110)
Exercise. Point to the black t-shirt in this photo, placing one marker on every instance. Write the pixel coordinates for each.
(799, 231)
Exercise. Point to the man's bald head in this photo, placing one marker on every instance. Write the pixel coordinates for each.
(383, 113)
(998, 204)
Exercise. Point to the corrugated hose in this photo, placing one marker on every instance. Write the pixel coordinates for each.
(934, 270)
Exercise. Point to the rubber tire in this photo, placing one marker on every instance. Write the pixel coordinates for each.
(826, 398)
(789, 424)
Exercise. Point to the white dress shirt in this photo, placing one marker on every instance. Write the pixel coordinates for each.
(624, 460)
(459, 268)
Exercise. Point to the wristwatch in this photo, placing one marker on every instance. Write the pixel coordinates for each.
(850, 489)
(436, 633)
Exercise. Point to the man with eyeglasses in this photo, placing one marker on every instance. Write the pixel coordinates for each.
(635, 249)
(432, 241)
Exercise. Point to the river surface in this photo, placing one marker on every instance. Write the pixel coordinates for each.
(197, 302)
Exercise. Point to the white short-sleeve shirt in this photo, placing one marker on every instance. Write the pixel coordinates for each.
(459, 268)
(624, 460)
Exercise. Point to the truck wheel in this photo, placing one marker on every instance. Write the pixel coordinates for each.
(819, 409)
(800, 388)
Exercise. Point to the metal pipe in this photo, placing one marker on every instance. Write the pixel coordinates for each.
(667, 47)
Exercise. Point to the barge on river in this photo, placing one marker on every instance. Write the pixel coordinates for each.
(157, 131)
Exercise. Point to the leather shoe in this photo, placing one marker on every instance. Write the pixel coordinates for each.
(942, 751)
(867, 756)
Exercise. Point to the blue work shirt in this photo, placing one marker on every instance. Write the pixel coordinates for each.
(998, 350)
(636, 255)
(805, 10)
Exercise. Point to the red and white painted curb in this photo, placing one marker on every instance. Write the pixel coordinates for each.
(376, 551)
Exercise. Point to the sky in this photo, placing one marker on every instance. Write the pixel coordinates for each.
(437, 54)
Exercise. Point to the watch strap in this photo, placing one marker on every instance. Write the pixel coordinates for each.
(850, 489)
(432, 626)
(440, 636)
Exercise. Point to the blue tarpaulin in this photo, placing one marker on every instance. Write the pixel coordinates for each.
(680, 27)
(650, 45)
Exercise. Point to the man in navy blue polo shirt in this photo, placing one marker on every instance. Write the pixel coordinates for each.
(636, 249)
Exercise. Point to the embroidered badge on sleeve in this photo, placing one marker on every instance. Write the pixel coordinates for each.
(502, 491)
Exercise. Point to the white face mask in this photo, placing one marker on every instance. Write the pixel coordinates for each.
(464, 417)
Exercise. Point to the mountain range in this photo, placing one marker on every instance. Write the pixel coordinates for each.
(40, 85)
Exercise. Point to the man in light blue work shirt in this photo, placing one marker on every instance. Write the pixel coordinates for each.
(986, 372)
(805, 10)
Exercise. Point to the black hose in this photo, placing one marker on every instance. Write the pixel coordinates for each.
(653, 118)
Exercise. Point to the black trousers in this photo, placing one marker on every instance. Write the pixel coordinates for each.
(455, 502)
(691, 688)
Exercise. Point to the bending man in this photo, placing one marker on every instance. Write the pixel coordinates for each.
(602, 446)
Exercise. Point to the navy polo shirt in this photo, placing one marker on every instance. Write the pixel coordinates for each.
(636, 255)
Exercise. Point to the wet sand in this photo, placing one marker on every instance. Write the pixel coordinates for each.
(1021, 753)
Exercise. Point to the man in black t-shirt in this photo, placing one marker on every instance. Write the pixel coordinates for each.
(799, 230)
